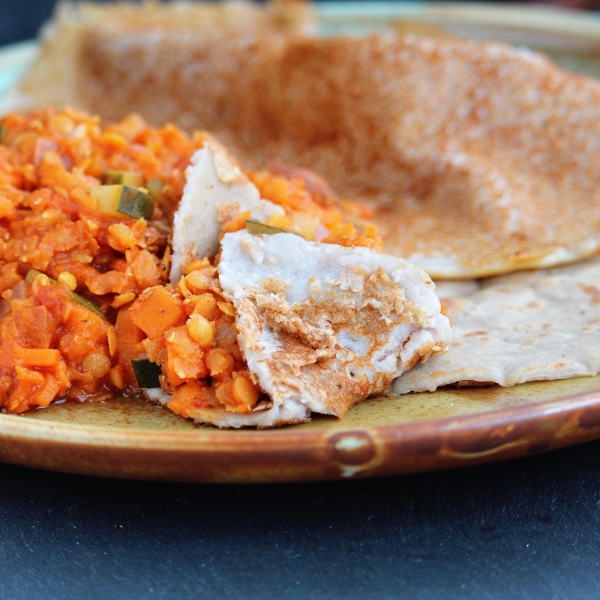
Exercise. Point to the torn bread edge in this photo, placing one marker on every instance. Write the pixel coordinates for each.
(321, 326)
(212, 180)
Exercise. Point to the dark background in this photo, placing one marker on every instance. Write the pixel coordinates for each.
(528, 528)
(521, 529)
(20, 20)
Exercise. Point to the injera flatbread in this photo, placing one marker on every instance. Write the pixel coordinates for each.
(234, 30)
(521, 327)
(483, 157)
(212, 180)
(322, 327)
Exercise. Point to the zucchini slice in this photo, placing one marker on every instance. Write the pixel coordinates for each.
(258, 227)
(135, 203)
(118, 200)
(146, 372)
(129, 178)
(88, 304)
(155, 187)
(33, 273)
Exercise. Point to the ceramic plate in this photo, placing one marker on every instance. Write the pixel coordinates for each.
(382, 436)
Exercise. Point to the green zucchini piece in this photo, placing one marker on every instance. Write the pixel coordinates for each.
(258, 227)
(33, 273)
(154, 188)
(112, 177)
(118, 200)
(135, 203)
(108, 197)
(146, 372)
(88, 304)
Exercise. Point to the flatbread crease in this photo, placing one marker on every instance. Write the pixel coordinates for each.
(321, 327)
(521, 327)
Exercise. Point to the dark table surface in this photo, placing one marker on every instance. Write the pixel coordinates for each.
(528, 528)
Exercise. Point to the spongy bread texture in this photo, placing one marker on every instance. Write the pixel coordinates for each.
(322, 327)
(482, 157)
(528, 326)
(60, 76)
(212, 180)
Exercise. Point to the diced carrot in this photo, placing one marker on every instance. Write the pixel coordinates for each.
(129, 335)
(156, 310)
(35, 357)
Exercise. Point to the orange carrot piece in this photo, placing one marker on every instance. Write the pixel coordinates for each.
(155, 311)
(129, 335)
(35, 357)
